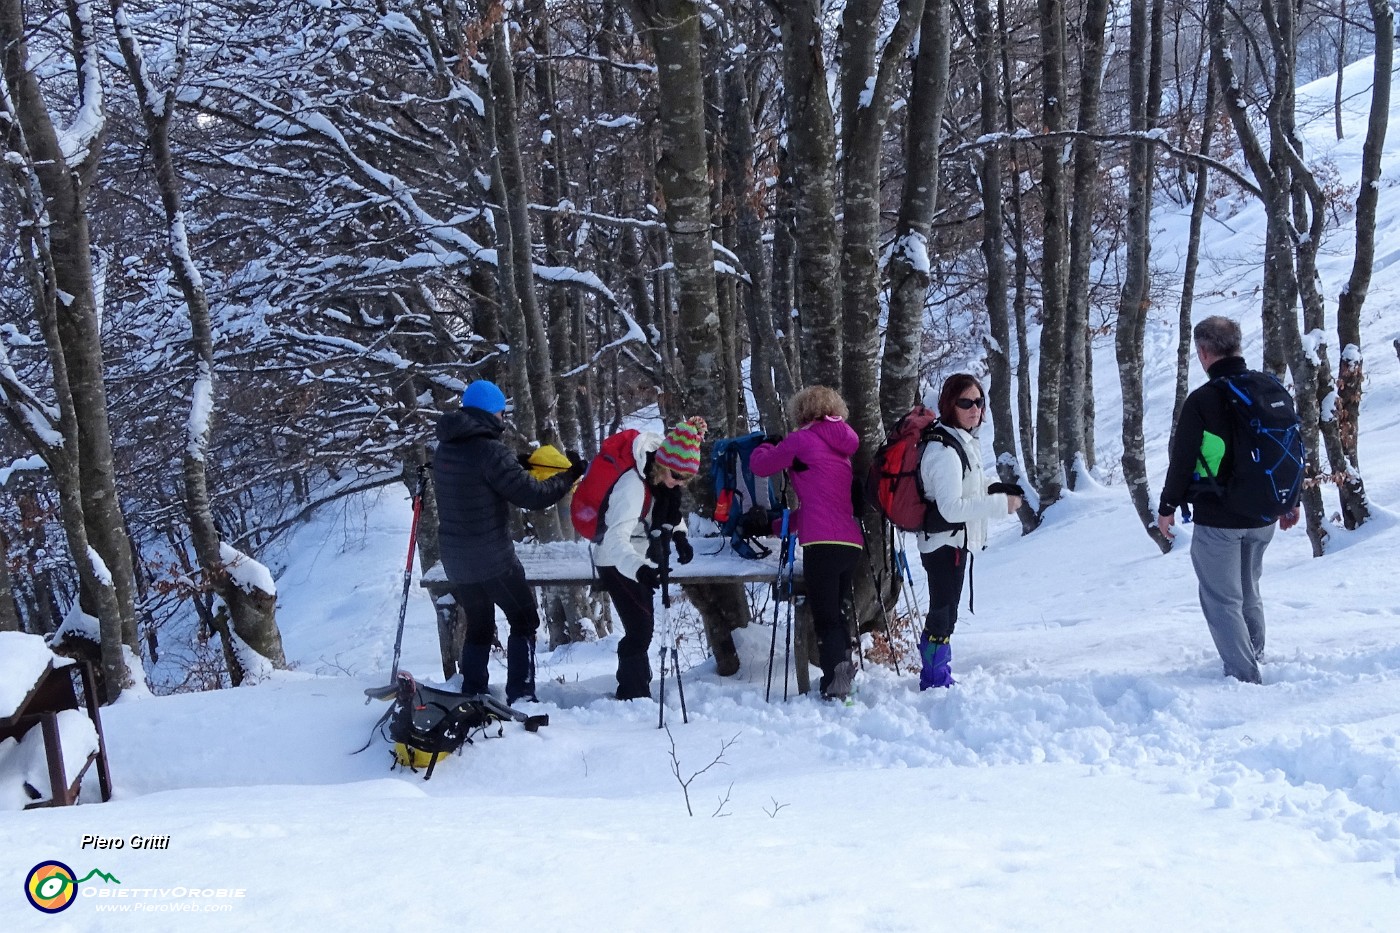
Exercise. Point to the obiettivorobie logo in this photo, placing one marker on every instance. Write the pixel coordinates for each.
(52, 886)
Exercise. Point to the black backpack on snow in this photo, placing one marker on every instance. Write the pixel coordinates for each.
(1265, 444)
(426, 724)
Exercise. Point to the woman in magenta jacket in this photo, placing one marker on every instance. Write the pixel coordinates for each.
(818, 457)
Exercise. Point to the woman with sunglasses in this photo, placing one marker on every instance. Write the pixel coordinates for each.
(818, 457)
(962, 498)
(643, 508)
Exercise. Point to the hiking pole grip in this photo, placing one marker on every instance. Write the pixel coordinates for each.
(665, 561)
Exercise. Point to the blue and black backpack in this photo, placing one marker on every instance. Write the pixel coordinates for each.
(1266, 444)
(745, 505)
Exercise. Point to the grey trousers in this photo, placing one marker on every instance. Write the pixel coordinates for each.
(1228, 563)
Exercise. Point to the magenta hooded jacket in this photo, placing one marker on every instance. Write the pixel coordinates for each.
(824, 513)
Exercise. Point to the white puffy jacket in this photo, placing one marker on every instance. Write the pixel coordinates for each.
(624, 543)
(961, 496)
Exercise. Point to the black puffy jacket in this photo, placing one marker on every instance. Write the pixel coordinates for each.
(478, 479)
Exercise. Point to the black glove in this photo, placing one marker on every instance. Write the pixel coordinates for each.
(1011, 489)
(798, 466)
(772, 439)
(648, 577)
(524, 461)
(684, 552)
(577, 466)
(657, 547)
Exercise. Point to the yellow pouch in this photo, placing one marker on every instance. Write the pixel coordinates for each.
(547, 461)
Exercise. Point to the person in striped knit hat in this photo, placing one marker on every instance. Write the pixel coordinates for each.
(642, 506)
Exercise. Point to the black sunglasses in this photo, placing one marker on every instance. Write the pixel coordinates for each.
(967, 404)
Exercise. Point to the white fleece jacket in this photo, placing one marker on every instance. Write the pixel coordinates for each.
(961, 497)
(624, 543)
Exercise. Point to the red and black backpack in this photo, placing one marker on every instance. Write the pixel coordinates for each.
(614, 458)
(894, 483)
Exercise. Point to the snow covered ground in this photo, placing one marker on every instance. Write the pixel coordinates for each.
(1091, 768)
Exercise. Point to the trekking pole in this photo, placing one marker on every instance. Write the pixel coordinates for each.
(773, 643)
(663, 537)
(667, 532)
(880, 597)
(661, 695)
(680, 684)
(787, 637)
(418, 492)
(908, 577)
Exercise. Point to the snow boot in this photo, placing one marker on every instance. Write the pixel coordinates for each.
(473, 666)
(937, 656)
(520, 669)
(841, 679)
(633, 677)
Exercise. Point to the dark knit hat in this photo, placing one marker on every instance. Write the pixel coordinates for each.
(680, 449)
(484, 395)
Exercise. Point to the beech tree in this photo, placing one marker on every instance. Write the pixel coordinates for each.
(251, 608)
(1145, 55)
(1351, 359)
(52, 167)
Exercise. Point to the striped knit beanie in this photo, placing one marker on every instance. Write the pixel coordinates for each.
(680, 449)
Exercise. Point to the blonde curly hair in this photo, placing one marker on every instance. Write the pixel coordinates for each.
(815, 403)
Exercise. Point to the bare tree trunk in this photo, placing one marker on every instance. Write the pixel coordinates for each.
(1001, 389)
(533, 341)
(1309, 206)
(768, 369)
(1024, 396)
(731, 339)
(784, 285)
(1193, 252)
(86, 474)
(909, 262)
(9, 612)
(1350, 368)
(554, 185)
(1048, 476)
(1073, 426)
(535, 411)
(673, 29)
(812, 159)
(1342, 61)
(1273, 173)
(868, 73)
(252, 609)
(565, 607)
(514, 326)
(1133, 302)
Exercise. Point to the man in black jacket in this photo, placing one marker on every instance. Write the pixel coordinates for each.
(1227, 548)
(478, 479)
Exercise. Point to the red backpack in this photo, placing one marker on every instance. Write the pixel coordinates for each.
(893, 483)
(591, 497)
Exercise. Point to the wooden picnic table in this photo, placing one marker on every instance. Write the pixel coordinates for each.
(568, 563)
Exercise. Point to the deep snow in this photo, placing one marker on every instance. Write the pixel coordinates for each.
(1092, 767)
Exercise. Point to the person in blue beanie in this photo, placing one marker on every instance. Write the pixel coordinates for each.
(478, 479)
